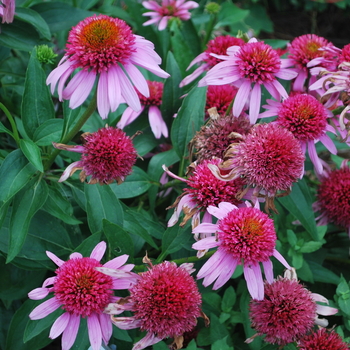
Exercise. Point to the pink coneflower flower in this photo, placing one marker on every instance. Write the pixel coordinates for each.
(249, 67)
(7, 10)
(333, 197)
(168, 9)
(306, 118)
(104, 48)
(304, 49)
(165, 301)
(217, 134)
(243, 236)
(152, 102)
(269, 158)
(217, 46)
(287, 312)
(220, 96)
(107, 155)
(203, 190)
(322, 340)
(81, 291)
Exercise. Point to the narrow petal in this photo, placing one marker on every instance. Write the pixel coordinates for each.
(211, 264)
(137, 79)
(54, 258)
(69, 171)
(106, 327)
(252, 283)
(314, 157)
(59, 325)
(241, 98)
(99, 251)
(148, 340)
(156, 122)
(229, 267)
(325, 310)
(329, 144)
(70, 333)
(268, 270)
(117, 262)
(281, 259)
(103, 106)
(114, 90)
(94, 330)
(44, 309)
(281, 90)
(206, 243)
(254, 105)
(128, 116)
(128, 91)
(38, 293)
(205, 228)
(193, 76)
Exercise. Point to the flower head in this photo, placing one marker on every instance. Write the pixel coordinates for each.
(333, 197)
(248, 67)
(345, 54)
(203, 190)
(81, 291)
(287, 312)
(165, 301)
(243, 236)
(105, 49)
(7, 10)
(269, 158)
(323, 340)
(152, 102)
(220, 96)
(217, 134)
(216, 46)
(107, 155)
(168, 9)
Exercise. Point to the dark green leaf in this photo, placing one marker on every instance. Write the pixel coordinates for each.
(145, 143)
(119, 240)
(33, 18)
(211, 303)
(309, 247)
(48, 132)
(4, 129)
(134, 185)
(88, 245)
(37, 105)
(174, 238)
(215, 332)
(189, 120)
(15, 172)
(231, 14)
(228, 299)
(26, 203)
(70, 118)
(343, 292)
(321, 274)
(305, 273)
(102, 203)
(32, 153)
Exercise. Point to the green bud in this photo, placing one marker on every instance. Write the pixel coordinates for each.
(243, 36)
(45, 54)
(212, 8)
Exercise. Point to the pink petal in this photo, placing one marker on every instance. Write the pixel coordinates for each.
(65, 175)
(106, 327)
(117, 262)
(38, 293)
(281, 90)
(126, 322)
(223, 209)
(59, 325)
(70, 333)
(54, 258)
(44, 309)
(329, 144)
(94, 330)
(156, 122)
(148, 340)
(314, 157)
(206, 243)
(255, 101)
(325, 310)
(103, 106)
(99, 251)
(206, 228)
(281, 259)
(128, 116)
(75, 255)
(268, 270)
(198, 59)
(229, 266)
(211, 265)
(137, 79)
(114, 90)
(253, 284)
(241, 98)
(163, 23)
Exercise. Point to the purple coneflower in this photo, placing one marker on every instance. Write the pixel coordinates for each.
(323, 339)
(104, 48)
(81, 291)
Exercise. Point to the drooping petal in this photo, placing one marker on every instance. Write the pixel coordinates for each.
(229, 266)
(44, 309)
(206, 243)
(252, 283)
(106, 327)
(156, 122)
(59, 325)
(70, 333)
(94, 330)
(148, 340)
(103, 106)
(268, 269)
(241, 98)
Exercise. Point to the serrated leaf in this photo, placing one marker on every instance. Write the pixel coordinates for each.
(309, 247)
(32, 153)
(15, 172)
(37, 105)
(189, 120)
(33, 18)
(48, 132)
(119, 240)
(292, 238)
(102, 203)
(26, 203)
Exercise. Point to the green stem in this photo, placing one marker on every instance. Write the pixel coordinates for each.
(171, 183)
(182, 166)
(229, 108)
(12, 122)
(210, 29)
(80, 123)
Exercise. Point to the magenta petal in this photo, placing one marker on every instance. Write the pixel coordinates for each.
(70, 333)
(44, 309)
(106, 327)
(99, 251)
(94, 330)
(59, 325)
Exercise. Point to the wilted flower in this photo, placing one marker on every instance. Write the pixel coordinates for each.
(287, 312)
(81, 291)
(105, 48)
(243, 236)
(107, 155)
(166, 10)
(7, 10)
(165, 301)
(249, 67)
(152, 102)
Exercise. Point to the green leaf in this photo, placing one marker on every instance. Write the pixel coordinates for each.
(70, 117)
(60, 207)
(174, 238)
(309, 247)
(48, 132)
(230, 14)
(119, 240)
(4, 129)
(297, 260)
(343, 292)
(134, 185)
(321, 274)
(171, 93)
(215, 332)
(33, 18)
(189, 120)
(305, 273)
(298, 204)
(292, 238)
(37, 105)
(228, 299)
(26, 203)
(32, 153)
(15, 172)
(221, 344)
(211, 303)
(102, 203)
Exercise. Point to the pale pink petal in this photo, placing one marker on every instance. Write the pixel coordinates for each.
(319, 297)
(156, 19)
(62, 82)
(229, 267)
(117, 273)
(163, 23)
(172, 174)
(117, 262)
(75, 255)
(325, 310)
(148, 340)
(191, 77)
(273, 91)
(137, 79)
(281, 259)
(254, 105)
(44, 309)
(286, 74)
(94, 330)
(329, 144)
(49, 281)
(268, 270)
(126, 283)
(114, 90)
(127, 267)
(281, 90)
(156, 122)
(206, 228)
(314, 157)
(128, 116)
(151, 5)
(65, 175)
(102, 95)
(59, 325)
(106, 327)
(70, 333)
(241, 98)
(57, 73)
(99, 251)
(206, 243)
(223, 209)
(211, 264)
(126, 322)
(252, 283)
(198, 59)
(38, 293)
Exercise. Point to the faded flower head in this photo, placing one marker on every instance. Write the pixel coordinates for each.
(322, 339)
(107, 155)
(104, 48)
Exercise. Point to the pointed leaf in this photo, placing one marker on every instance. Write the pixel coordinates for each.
(48, 132)
(32, 153)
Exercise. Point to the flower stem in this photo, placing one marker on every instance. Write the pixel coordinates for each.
(229, 108)
(15, 134)
(84, 117)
